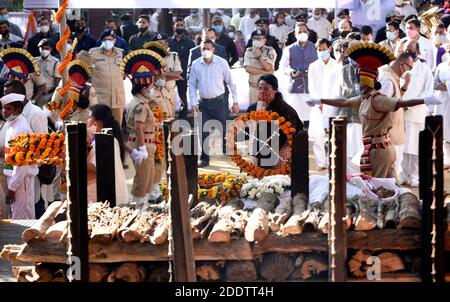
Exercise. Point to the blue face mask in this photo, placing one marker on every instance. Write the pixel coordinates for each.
(391, 36)
(107, 44)
(4, 17)
(323, 55)
(357, 89)
(218, 28)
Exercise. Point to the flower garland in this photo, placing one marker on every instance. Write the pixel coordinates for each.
(219, 186)
(36, 149)
(65, 112)
(260, 115)
(276, 184)
(159, 134)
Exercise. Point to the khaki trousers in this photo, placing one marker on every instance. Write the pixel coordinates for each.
(118, 114)
(143, 180)
(383, 162)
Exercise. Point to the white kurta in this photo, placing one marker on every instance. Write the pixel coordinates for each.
(247, 26)
(38, 122)
(442, 74)
(20, 179)
(426, 51)
(322, 27)
(280, 32)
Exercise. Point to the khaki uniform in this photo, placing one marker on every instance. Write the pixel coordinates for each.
(108, 80)
(376, 114)
(269, 55)
(33, 81)
(140, 111)
(49, 74)
(166, 96)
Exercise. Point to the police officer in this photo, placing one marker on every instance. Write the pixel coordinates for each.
(48, 66)
(164, 92)
(141, 125)
(258, 60)
(106, 76)
(263, 23)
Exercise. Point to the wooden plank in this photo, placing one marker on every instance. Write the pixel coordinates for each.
(235, 250)
(300, 164)
(305, 242)
(337, 236)
(391, 277)
(182, 247)
(388, 239)
(106, 181)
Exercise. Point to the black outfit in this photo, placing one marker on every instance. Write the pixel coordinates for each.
(230, 47)
(273, 42)
(128, 30)
(33, 48)
(283, 109)
(291, 39)
(183, 48)
(137, 41)
(85, 43)
(336, 33)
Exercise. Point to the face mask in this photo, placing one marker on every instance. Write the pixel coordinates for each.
(323, 55)
(266, 96)
(149, 93)
(302, 37)
(439, 39)
(4, 17)
(357, 89)
(10, 118)
(45, 53)
(412, 34)
(143, 29)
(391, 36)
(207, 54)
(412, 54)
(337, 55)
(160, 82)
(231, 35)
(194, 14)
(317, 17)
(218, 28)
(180, 31)
(44, 29)
(107, 44)
(80, 29)
(258, 43)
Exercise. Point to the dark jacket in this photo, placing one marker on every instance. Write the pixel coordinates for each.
(127, 30)
(183, 48)
(273, 42)
(279, 106)
(33, 42)
(230, 47)
(85, 43)
(138, 40)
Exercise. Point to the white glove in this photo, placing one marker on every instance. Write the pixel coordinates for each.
(136, 156)
(431, 100)
(143, 152)
(59, 124)
(313, 102)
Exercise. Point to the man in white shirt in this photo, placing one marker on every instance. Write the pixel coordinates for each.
(247, 24)
(405, 8)
(206, 92)
(7, 38)
(290, 20)
(320, 24)
(322, 83)
(425, 45)
(420, 86)
(194, 21)
(236, 20)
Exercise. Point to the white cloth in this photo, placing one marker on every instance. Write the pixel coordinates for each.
(247, 26)
(226, 21)
(442, 74)
(399, 159)
(290, 21)
(426, 51)
(280, 32)
(196, 24)
(120, 179)
(447, 153)
(208, 79)
(410, 168)
(20, 179)
(406, 10)
(322, 27)
(421, 85)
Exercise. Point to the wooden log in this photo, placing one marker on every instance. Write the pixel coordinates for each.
(10, 252)
(221, 231)
(99, 272)
(312, 221)
(258, 224)
(409, 213)
(208, 271)
(61, 215)
(56, 231)
(40, 227)
(391, 277)
(312, 265)
(293, 226)
(282, 213)
(159, 273)
(324, 226)
(21, 271)
(161, 231)
(276, 267)
(128, 272)
(387, 214)
(239, 220)
(240, 271)
(127, 223)
(367, 215)
(357, 262)
(389, 262)
(198, 224)
(350, 213)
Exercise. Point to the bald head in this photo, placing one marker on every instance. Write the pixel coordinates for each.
(345, 25)
(413, 48)
(402, 64)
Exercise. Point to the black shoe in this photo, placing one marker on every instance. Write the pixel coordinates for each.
(202, 163)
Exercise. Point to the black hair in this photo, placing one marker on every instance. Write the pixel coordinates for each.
(270, 79)
(441, 25)
(208, 41)
(377, 85)
(111, 20)
(394, 24)
(17, 105)
(136, 88)
(103, 113)
(415, 22)
(210, 29)
(276, 18)
(17, 86)
(125, 17)
(147, 18)
(178, 19)
(366, 30)
(324, 41)
(4, 22)
(354, 36)
(43, 17)
(83, 102)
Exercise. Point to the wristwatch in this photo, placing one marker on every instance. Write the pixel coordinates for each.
(403, 89)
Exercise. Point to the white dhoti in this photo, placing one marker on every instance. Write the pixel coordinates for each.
(410, 163)
(23, 206)
(354, 139)
(298, 102)
(317, 133)
(399, 160)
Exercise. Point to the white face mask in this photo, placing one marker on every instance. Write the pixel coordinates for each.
(258, 43)
(45, 53)
(207, 54)
(317, 17)
(149, 93)
(44, 29)
(302, 37)
(11, 117)
(439, 39)
(231, 35)
(107, 44)
(160, 82)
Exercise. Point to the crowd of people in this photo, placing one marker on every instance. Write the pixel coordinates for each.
(301, 63)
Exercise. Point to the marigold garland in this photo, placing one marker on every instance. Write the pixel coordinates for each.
(159, 134)
(64, 113)
(36, 149)
(219, 186)
(260, 115)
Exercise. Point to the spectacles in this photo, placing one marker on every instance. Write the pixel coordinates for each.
(410, 67)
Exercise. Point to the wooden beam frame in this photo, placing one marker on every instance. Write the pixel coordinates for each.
(105, 165)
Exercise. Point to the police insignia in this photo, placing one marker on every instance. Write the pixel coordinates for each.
(137, 109)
